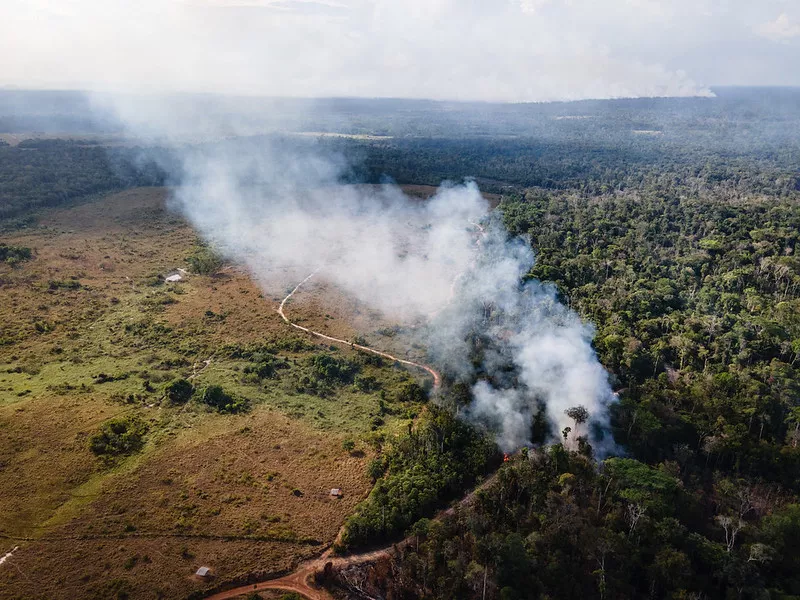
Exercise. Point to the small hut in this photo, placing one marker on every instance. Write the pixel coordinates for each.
(336, 493)
(203, 572)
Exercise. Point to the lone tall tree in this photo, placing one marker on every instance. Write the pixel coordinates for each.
(579, 414)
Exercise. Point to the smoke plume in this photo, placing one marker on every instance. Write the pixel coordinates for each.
(275, 206)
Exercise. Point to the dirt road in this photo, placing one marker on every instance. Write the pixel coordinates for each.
(301, 579)
(437, 378)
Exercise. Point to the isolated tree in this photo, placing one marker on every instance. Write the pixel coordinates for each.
(633, 512)
(732, 527)
(420, 530)
(579, 414)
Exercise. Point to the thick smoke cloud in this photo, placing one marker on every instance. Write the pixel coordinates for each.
(535, 353)
(277, 206)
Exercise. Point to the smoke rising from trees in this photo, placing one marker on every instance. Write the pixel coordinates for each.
(276, 205)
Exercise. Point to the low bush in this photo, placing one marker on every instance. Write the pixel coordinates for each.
(13, 255)
(332, 369)
(179, 391)
(412, 392)
(204, 261)
(64, 284)
(221, 401)
(366, 383)
(118, 437)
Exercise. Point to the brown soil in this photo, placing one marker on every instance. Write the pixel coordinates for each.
(301, 580)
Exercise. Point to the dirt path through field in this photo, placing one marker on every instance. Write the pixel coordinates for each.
(299, 580)
(437, 378)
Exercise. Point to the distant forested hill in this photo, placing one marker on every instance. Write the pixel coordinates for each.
(39, 173)
(745, 140)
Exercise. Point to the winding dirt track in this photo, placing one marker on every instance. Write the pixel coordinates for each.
(437, 378)
(300, 580)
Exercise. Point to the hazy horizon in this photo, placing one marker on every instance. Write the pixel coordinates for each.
(508, 51)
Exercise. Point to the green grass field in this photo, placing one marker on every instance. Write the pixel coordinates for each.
(89, 335)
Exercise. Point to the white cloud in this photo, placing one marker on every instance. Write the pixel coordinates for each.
(532, 6)
(782, 28)
(447, 49)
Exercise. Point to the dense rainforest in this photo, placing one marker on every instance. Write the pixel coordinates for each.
(694, 297)
(684, 259)
(38, 173)
(672, 226)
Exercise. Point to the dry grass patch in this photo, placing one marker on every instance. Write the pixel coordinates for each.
(89, 331)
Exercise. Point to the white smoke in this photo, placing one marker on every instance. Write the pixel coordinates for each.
(277, 206)
(274, 206)
(535, 352)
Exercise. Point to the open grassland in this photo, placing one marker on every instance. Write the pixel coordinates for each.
(90, 334)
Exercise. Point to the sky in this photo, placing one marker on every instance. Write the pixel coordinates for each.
(492, 50)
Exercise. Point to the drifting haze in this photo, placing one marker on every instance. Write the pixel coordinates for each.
(277, 205)
(499, 50)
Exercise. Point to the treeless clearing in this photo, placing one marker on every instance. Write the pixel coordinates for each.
(244, 494)
(237, 494)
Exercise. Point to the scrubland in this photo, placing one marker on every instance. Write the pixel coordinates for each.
(91, 336)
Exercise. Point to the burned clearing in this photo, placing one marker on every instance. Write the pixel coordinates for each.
(130, 489)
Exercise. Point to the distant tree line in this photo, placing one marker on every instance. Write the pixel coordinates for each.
(48, 172)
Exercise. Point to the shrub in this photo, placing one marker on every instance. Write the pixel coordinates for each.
(13, 255)
(412, 392)
(218, 399)
(105, 377)
(64, 284)
(266, 366)
(331, 369)
(369, 359)
(204, 261)
(118, 437)
(366, 383)
(179, 391)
